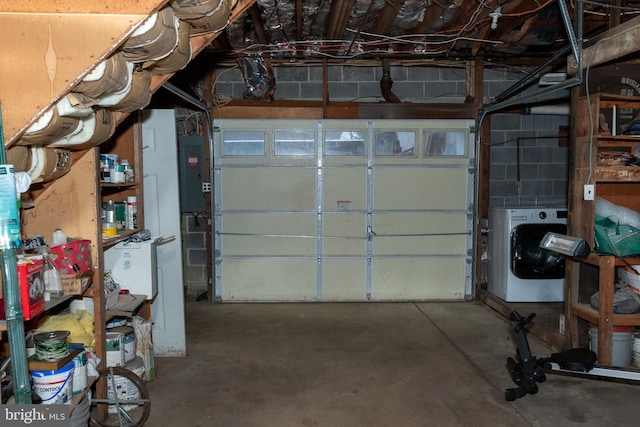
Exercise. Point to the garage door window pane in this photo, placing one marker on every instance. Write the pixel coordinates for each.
(291, 142)
(344, 143)
(243, 143)
(444, 143)
(395, 143)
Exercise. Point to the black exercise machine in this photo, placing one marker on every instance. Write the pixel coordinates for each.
(527, 370)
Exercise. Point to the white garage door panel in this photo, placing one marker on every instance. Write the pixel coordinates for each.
(421, 233)
(345, 186)
(268, 188)
(344, 234)
(418, 279)
(339, 212)
(424, 188)
(259, 234)
(431, 245)
(273, 279)
(344, 279)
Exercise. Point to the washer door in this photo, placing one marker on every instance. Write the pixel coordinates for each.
(528, 259)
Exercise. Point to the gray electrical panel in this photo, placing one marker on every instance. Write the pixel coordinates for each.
(192, 173)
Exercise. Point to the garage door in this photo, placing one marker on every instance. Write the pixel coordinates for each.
(343, 210)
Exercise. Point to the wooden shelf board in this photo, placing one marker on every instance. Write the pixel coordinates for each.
(596, 259)
(126, 306)
(54, 302)
(622, 141)
(617, 174)
(39, 365)
(104, 185)
(122, 235)
(608, 100)
(586, 312)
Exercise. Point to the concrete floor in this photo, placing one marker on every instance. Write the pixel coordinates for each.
(365, 364)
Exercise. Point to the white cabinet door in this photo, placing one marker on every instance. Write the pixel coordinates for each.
(162, 218)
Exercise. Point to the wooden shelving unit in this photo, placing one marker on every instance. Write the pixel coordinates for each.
(54, 46)
(617, 184)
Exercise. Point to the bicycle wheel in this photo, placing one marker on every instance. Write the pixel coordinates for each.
(127, 403)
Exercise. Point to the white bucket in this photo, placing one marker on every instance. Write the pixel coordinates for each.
(125, 389)
(79, 372)
(114, 349)
(636, 350)
(621, 344)
(54, 387)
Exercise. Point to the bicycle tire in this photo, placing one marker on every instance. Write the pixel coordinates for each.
(122, 409)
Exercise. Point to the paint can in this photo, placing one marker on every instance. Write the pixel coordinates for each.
(125, 389)
(80, 415)
(79, 369)
(114, 349)
(54, 387)
(128, 341)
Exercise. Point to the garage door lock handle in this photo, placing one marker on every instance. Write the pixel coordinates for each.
(370, 233)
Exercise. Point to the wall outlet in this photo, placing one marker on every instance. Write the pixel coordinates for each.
(588, 192)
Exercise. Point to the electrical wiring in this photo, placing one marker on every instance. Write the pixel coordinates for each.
(194, 119)
(326, 47)
(220, 98)
(276, 12)
(403, 38)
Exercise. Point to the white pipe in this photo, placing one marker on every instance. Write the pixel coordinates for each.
(557, 110)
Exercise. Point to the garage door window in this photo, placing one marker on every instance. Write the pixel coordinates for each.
(395, 143)
(444, 143)
(292, 142)
(345, 142)
(243, 143)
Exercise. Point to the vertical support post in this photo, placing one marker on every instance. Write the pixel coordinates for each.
(8, 265)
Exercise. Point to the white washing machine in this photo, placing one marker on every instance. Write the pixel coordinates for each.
(519, 270)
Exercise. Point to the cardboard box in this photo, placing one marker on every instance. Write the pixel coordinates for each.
(75, 284)
(31, 282)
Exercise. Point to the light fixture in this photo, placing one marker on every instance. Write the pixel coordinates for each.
(552, 79)
(566, 245)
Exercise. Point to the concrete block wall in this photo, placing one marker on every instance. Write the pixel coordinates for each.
(528, 165)
(353, 83)
(194, 235)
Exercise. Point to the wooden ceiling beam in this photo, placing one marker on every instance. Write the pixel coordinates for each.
(609, 45)
(258, 25)
(299, 20)
(387, 15)
(339, 14)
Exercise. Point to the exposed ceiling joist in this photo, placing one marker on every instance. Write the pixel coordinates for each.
(387, 16)
(514, 32)
(339, 18)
